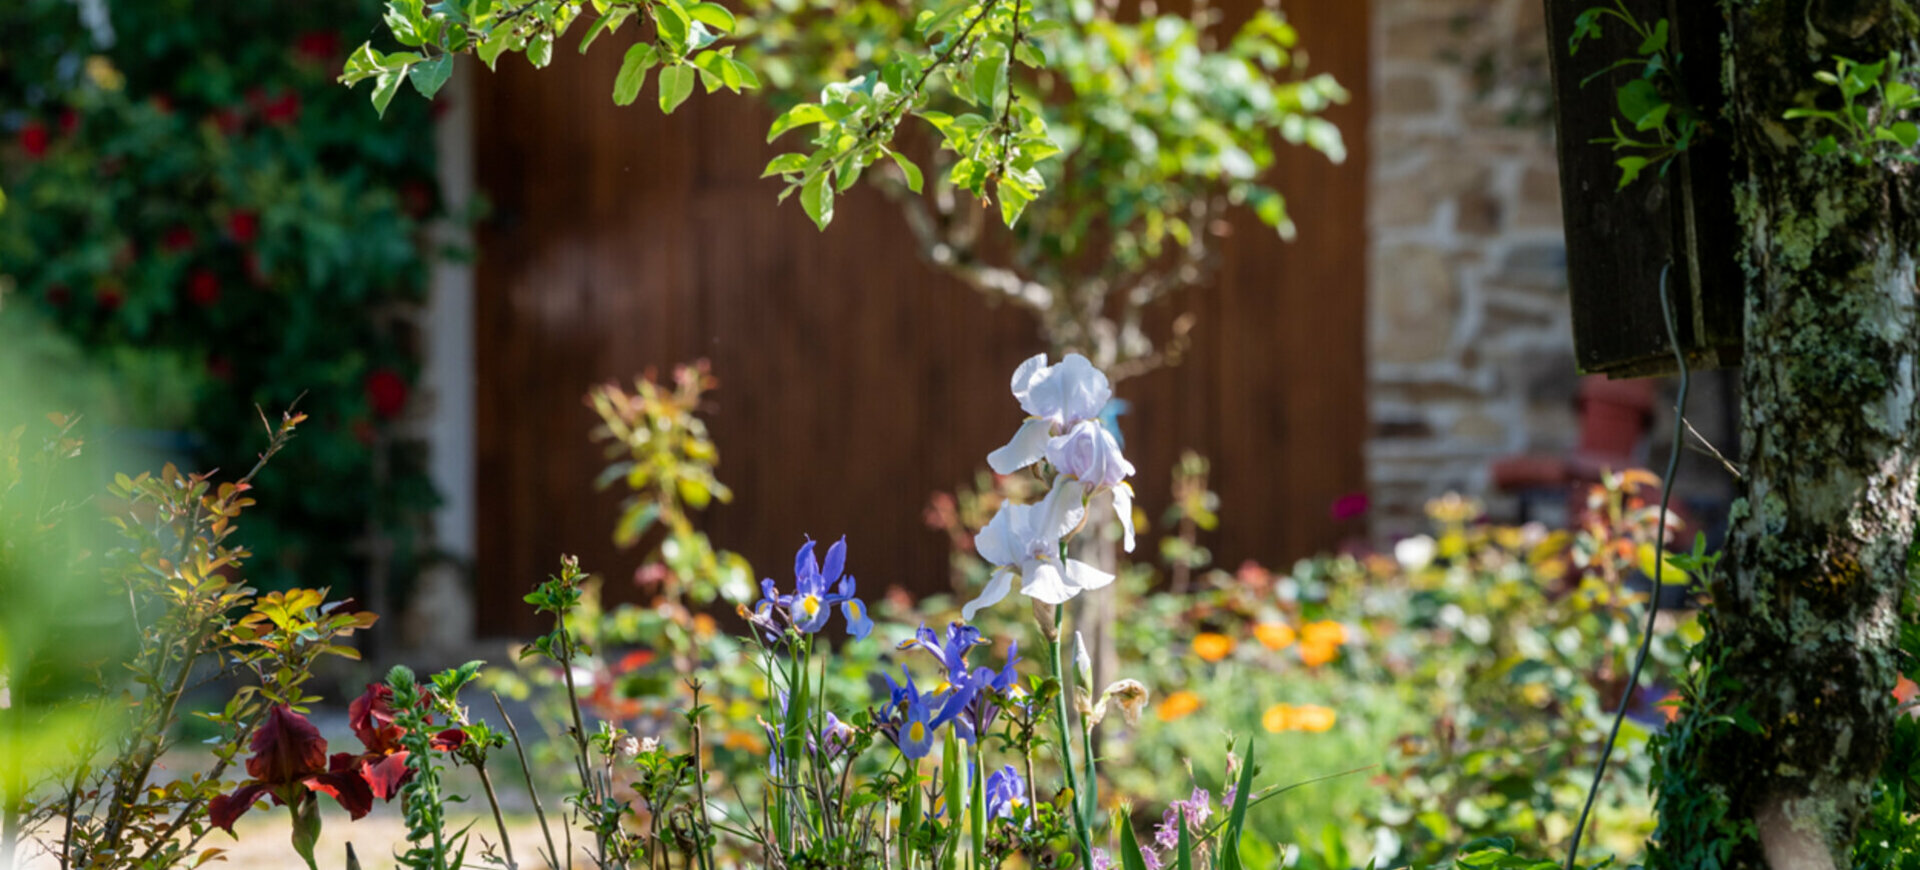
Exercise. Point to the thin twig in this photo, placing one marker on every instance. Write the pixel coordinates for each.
(553, 855)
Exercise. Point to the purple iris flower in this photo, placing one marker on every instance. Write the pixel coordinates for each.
(1006, 790)
(951, 652)
(911, 719)
(817, 588)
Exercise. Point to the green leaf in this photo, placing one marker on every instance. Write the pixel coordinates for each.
(671, 20)
(1183, 853)
(784, 164)
(385, 85)
(676, 84)
(798, 116)
(432, 75)
(1655, 119)
(908, 168)
(1905, 132)
(1638, 98)
(1237, 815)
(633, 73)
(1129, 846)
(713, 15)
(749, 80)
(1656, 41)
(817, 199)
(495, 45)
(1629, 169)
(540, 50)
(988, 73)
(1013, 200)
(608, 22)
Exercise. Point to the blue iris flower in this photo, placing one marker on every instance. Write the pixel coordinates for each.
(1006, 791)
(951, 652)
(912, 719)
(817, 588)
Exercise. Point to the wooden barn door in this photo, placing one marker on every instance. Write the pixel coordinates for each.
(854, 382)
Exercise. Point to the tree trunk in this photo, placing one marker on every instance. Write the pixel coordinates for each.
(1801, 649)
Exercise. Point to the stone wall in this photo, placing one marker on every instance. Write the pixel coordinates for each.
(1469, 340)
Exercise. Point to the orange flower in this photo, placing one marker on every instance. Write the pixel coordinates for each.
(1311, 718)
(1274, 635)
(1177, 706)
(1317, 654)
(1212, 646)
(1325, 631)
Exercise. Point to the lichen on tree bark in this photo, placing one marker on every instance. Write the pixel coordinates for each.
(1806, 611)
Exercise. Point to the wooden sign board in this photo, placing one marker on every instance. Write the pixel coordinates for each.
(1618, 240)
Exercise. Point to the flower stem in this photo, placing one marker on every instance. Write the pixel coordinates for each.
(1066, 741)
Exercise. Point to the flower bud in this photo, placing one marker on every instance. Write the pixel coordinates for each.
(1082, 663)
(1045, 614)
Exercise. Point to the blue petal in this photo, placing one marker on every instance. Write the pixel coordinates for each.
(858, 623)
(836, 560)
(803, 564)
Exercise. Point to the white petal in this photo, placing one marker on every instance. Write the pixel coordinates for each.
(1123, 505)
(997, 588)
(999, 543)
(1084, 390)
(1062, 510)
(1026, 448)
(1042, 579)
(1085, 576)
(1026, 376)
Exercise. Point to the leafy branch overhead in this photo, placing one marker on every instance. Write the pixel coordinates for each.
(1004, 89)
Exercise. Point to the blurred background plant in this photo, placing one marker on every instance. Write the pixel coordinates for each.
(221, 227)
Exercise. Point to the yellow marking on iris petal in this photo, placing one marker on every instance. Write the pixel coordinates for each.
(854, 608)
(917, 732)
(811, 605)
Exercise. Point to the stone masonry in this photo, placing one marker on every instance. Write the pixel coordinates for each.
(1470, 344)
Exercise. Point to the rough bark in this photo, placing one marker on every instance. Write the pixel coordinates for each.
(1806, 612)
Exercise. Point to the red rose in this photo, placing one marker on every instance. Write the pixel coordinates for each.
(203, 288)
(33, 138)
(243, 226)
(387, 393)
(282, 111)
(178, 239)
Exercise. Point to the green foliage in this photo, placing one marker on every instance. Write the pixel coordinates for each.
(1866, 134)
(1664, 122)
(658, 447)
(204, 210)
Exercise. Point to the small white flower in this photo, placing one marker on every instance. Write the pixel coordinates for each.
(1414, 553)
(1024, 540)
(1090, 454)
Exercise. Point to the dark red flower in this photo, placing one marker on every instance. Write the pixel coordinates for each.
(283, 110)
(317, 46)
(33, 139)
(448, 740)
(289, 764)
(178, 239)
(371, 717)
(203, 287)
(243, 226)
(386, 393)
(1348, 506)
